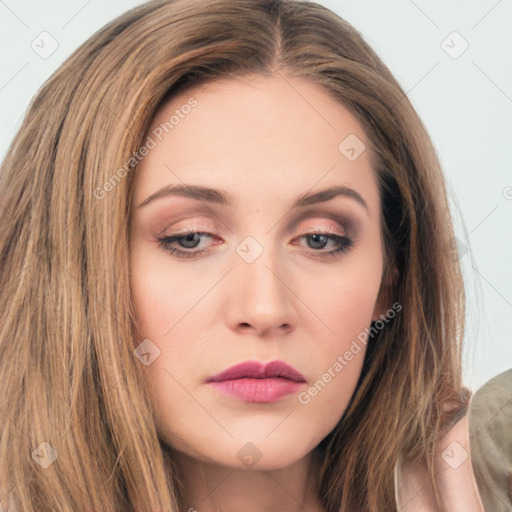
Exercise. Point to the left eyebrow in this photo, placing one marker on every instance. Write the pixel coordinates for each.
(222, 197)
(327, 194)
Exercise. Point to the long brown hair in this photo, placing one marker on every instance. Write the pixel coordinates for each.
(67, 330)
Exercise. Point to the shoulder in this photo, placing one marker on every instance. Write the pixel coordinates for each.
(473, 466)
(490, 431)
(453, 473)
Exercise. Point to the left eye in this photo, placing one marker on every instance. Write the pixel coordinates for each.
(341, 243)
(191, 240)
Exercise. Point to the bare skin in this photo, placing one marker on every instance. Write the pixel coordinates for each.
(265, 143)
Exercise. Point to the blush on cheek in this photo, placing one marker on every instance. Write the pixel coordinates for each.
(351, 309)
(151, 305)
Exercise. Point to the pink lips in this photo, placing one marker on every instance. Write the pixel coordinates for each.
(254, 382)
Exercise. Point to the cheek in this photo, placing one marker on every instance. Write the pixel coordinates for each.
(346, 300)
(161, 301)
(160, 297)
(347, 310)
(354, 309)
(346, 304)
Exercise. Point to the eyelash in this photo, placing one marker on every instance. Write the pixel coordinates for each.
(343, 242)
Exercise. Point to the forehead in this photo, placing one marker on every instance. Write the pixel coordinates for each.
(256, 135)
(259, 107)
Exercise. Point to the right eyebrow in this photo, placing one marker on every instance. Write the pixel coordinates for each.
(209, 195)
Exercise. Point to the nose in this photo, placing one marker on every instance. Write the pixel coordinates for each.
(261, 298)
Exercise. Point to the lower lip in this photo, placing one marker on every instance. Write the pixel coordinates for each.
(257, 390)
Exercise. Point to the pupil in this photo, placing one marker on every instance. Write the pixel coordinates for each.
(321, 239)
(189, 239)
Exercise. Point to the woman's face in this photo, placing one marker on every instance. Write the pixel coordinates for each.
(255, 283)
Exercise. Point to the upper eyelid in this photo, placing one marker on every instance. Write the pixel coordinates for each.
(198, 229)
(349, 222)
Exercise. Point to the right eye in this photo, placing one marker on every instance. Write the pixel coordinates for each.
(186, 240)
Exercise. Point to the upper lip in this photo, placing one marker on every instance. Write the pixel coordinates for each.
(257, 370)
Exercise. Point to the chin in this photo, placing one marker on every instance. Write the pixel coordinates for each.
(258, 455)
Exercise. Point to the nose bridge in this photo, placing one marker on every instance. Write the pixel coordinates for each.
(260, 295)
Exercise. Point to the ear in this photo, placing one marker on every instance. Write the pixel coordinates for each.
(382, 303)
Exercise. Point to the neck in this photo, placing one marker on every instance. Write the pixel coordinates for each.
(208, 487)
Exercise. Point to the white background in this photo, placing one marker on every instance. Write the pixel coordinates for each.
(465, 102)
